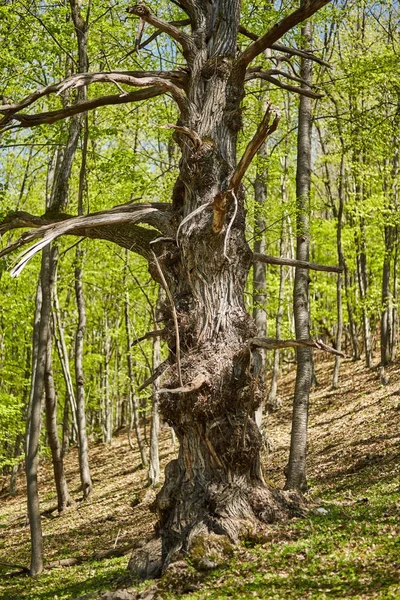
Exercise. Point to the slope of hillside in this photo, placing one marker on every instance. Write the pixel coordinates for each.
(346, 546)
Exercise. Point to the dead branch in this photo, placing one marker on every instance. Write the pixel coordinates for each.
(190, 133)
(155, 375)
(49, 228)
(306, 10)
(285, 49)
(221, 200)
(273, 344)
(53, 116)
(285, 86)
(174, 316)
(148, 335)
(301, 53)
(263, 130)
(84, 79)
(290, 262)
(182, 38)
(155, 35)
(193, 386)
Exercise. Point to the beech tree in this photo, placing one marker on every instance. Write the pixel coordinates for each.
(196, 250)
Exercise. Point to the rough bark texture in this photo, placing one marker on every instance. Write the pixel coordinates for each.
(260, 270)
(215, 486)
(296, 470)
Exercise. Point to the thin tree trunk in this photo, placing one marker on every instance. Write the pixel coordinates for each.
(390, 235)
(272, 398)
(154, 463)
(341, 259)
(33, 433)
(86, 482)
(59, 337)
(14, 470)
(296, 469)
(66, 428)
(63, 499)
(259, 273)
(362, 277)
(107, 425)
(133, 399)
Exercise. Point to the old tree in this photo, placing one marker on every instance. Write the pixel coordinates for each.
(196, 249)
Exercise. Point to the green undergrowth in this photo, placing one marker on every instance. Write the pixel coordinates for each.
(352, 551)
(64, 583)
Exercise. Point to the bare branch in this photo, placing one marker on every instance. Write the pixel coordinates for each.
(253, 71)
(174, 316)
(182, 38)
(193, 386)
(83, 79)
(190, 133)
(306, 10)
(155, 375)
(155, 35)
(301, 53)
(149, 335)
(263, 130)
(49, 228)
(290, 262)
(273, 344)
(69, 111)
(285, 49)
(267, 76)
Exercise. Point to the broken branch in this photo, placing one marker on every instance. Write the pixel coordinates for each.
(182, 38)
(290, 262)
(263, 130)
(273, 344)
(190, 387)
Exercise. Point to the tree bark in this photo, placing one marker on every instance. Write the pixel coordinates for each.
(63, 498)
(154, 463)
(34, 423)
(341, 260)
(260, 270)
(84, 470)
(390, 235)
(296, 469)
(133, 399)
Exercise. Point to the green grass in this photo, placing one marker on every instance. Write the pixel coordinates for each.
(351, 552)
(66, 583)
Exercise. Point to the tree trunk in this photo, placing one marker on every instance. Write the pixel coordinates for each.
(63, 499)
(362, 277)
(260, 270)
(34, 423)
(133, 399)
(213, 385)
(154, 464)
(341, 259)
(390, 239)
(296, 469)
(272, 398)
(86, 482)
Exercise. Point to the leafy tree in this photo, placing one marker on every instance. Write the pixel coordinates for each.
(195, 246)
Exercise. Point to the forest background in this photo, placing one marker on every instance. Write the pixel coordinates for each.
(126, 153)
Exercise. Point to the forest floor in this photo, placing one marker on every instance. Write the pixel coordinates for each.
(347, 546)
